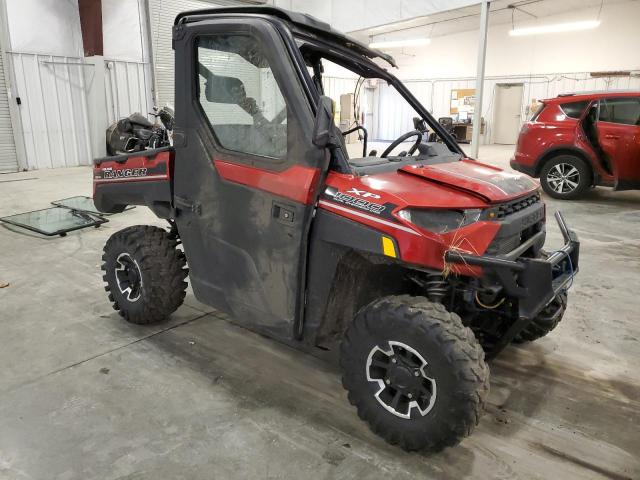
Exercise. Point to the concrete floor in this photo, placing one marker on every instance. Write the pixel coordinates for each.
(84, 395)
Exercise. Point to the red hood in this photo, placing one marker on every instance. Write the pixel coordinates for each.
(488, 182)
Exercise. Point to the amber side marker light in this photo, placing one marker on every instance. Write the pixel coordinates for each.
(388, 248)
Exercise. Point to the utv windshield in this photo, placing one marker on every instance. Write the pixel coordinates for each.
(366, 99)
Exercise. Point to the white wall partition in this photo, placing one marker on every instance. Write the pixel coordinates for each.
(53, 79)
(128, 86)
(435, 94)
(162, 14)
(449, 62)
(53, 109)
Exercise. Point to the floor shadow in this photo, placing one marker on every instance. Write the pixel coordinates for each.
(606, 196)
(262, 373)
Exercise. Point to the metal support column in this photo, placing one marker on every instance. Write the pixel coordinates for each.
(94, 80)
(482, 52)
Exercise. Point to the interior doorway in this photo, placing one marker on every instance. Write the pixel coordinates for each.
(507, 113)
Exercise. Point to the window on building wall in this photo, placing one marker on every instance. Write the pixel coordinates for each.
(240, 96)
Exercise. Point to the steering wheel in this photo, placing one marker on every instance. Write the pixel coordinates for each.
(402, 138)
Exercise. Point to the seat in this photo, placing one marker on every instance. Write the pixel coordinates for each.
(140, 120)
(144, 134)
(447, 123)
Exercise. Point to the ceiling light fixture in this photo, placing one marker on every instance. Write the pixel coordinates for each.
(555, 28)
(411, 42)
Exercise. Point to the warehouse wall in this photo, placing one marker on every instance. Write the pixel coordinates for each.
(611, 46)
(129, 80)
(162, 16)
(395, 117)
(546, 64)
(354, 15)
(52, 78)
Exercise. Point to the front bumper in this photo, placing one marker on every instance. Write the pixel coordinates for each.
(534, 282)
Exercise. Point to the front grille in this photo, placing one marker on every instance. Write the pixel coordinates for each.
(514, 206)
(504, 243)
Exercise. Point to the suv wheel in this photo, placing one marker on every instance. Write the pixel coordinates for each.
(144, 273)
(416, 375)
(565, 177)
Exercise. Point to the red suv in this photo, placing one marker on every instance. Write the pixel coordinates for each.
(577, 141)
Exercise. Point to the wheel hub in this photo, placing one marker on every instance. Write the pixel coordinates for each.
(403, 378)
(403, 385)
(563, 178)
(128, 277)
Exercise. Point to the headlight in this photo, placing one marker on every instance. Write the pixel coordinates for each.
(440, 221)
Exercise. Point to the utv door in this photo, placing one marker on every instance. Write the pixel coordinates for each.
(247, 172)
(618, 131)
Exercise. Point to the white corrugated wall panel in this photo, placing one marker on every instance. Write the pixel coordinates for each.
(336, 86)
(162, 13)
(8, 158)
(53, 110)
(127, 88)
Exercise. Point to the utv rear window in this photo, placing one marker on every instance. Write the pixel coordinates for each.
(574, 109)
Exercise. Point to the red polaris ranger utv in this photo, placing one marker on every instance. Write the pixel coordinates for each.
(408, 267)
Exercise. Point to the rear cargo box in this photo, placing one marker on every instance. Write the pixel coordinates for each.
(139, 178)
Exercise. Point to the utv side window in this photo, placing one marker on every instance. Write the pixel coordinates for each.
(240, 97)
(574, 109)
(620, 110)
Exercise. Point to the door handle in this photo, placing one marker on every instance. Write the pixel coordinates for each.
(612, 137)
(283, 214)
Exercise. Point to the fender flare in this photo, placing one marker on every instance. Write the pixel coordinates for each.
(556, 150)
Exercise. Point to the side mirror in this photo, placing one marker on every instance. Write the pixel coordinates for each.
(219, 89)
(324, 127)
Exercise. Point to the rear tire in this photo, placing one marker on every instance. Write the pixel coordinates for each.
(565, 177)
(545, 322)
(416, 375)
(144, 273)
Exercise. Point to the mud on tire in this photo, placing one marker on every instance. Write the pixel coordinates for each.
(430, 346)
(145, 273)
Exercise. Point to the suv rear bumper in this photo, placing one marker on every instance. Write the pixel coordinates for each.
(526, 169)
(535, 282)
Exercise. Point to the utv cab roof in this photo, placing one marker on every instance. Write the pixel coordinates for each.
(298, 22)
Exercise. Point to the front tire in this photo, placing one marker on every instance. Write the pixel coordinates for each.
(545, 322)
(416, 375)
(565, 177)
(144, 272)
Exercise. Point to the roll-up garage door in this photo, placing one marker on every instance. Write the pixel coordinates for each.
(161, 15)
(8, 158)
